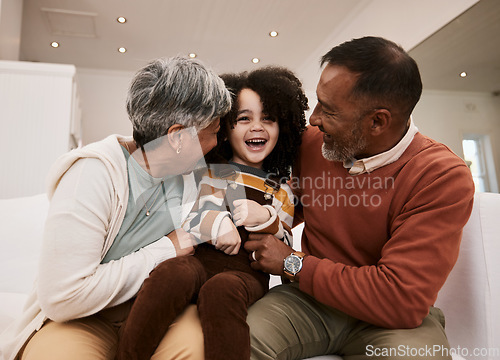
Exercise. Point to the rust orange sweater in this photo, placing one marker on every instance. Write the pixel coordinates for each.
(381, 244)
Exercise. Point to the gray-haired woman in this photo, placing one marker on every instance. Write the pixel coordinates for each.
(116, 207)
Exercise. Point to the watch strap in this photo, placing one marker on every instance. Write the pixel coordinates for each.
(290, 276)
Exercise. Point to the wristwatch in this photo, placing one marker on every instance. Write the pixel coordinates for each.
(292, 264)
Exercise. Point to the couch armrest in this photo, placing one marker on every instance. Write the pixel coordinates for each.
(470, 298)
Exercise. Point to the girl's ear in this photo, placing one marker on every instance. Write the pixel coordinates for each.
(174, 136)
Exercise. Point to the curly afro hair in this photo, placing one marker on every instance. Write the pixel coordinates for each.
(283, 99)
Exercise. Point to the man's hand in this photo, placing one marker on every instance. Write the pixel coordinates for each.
(249, 213)
(228, 238)
(269, 253)
(183, 242)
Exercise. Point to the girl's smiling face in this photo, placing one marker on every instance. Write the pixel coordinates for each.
(255, 134)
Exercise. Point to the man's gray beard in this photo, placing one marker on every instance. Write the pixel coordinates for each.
(330, 154)
(347, 153)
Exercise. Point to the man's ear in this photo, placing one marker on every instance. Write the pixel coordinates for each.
(380, 121)
(174, 136)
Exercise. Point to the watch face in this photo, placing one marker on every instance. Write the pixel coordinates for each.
(293, 264)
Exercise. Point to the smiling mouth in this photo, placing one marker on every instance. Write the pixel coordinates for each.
(256, 144)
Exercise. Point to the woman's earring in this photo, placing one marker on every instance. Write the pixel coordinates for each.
(178, 151)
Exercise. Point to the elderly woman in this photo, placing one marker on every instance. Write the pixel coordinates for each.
(116, 208)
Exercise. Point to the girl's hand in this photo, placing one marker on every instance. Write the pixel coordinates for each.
(228, 238)
(249, 213)
(183, 242)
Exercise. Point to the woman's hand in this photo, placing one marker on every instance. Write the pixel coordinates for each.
(249, 213)
(183, 242)
(228, 238)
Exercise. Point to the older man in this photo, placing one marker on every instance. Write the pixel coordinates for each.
(383, 206)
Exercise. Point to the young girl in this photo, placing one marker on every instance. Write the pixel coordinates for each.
(240, 193)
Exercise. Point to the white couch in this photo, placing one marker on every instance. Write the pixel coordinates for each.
(470, 298)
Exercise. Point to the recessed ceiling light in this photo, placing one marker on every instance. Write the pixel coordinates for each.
(273, 33)
(121, 20)
(255, 60)
(463, 74)
(122, 50)
(54, 44)
(192, 55)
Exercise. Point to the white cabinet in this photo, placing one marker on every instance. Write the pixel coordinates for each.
(40, 119)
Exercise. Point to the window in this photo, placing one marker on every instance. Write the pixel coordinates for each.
(478, 156)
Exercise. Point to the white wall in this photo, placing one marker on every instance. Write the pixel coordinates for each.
(103, 95)
(445, 116)
(37, 105)
(11, 12)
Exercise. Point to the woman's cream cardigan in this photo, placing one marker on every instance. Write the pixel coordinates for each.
(75, 283)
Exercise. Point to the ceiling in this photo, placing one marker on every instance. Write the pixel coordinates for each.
(469, 43)
(228, 34)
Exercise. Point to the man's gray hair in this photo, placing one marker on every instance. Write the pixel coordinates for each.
(171, 91)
